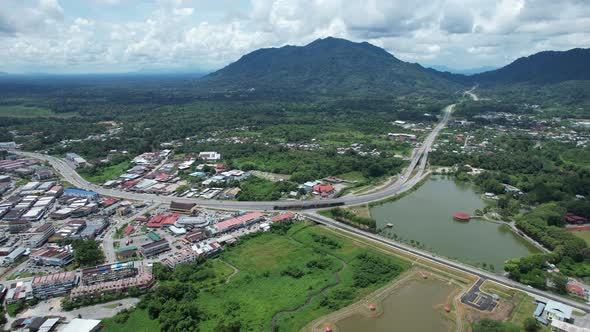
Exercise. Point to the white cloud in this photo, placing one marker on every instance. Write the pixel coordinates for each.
(190, 33)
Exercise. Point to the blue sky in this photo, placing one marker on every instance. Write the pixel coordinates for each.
(102, 36)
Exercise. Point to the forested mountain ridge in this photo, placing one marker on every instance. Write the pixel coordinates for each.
(329, 66)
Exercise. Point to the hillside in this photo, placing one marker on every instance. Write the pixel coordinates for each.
(547, 67)
(327, 66)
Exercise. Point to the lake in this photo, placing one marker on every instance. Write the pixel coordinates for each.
(426, 216)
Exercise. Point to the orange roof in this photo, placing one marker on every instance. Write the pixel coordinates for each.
(323, 188)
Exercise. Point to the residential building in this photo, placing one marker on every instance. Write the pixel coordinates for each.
(108, 272)
(154, 248)
(55, 284)
(7, 145)
(52, 255)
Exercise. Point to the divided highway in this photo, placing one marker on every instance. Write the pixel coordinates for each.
(406, 181)
(410, 177)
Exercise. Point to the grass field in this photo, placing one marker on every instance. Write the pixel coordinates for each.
(21, 111)
(352, 176)
(584, 235)
(275, 275)
(138, 321)
(106, 173)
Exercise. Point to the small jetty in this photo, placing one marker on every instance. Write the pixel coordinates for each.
(423, 275)
(447, 308)
(372, 307)
(460, 216)
(389, 225)
(328, 329)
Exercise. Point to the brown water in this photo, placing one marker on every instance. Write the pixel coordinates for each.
(416, 306)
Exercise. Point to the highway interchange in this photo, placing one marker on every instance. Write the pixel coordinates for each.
(413, 174)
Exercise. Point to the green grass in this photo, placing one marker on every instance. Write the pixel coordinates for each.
(584, 235)
(352, 176)
(262, 287)
(138, 321)
(18, 275)
(105, 173)
(111, 306)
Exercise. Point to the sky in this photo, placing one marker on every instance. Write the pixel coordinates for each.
(108, 36)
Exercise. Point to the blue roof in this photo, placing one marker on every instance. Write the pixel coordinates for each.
(79, 191)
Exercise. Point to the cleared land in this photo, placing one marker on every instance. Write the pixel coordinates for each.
(285, 280)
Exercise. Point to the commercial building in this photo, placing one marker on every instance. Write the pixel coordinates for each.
(74, 192)
(182, 208)
(184, 256)
(192, 221)
(237, 222)
(283, 217)
(19, 292)
(108, 272)
(52, 256)
(154, 248)
(55, 284)
(40, 235)
(76, 159)
(14, 255)
(126, 252)
(143, 280)
(83, 325)
(17, 226)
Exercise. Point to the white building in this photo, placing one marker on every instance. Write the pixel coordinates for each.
(210, 156)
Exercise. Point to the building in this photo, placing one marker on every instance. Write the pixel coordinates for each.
(560, 326)
(52, 256)
(53, 285)
(160, 221)
(143, 280)
(74, 192)
(210, 156)
(324, 189)
(7, 145)
(237, 222)
(182, 208)
(18, 226)
(19, 292)
(83, 325)
(549, 311)
(576, 290)
(154, 248)
(283, 217)
(195, 236)
(192, 221)
(126, 252)
(40, 235)
(207, 249)
(76, 159)
(43, 174)
(184, 256)
(108, 272)
(14, 255)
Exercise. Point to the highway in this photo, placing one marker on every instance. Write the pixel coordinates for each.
(406, 181)
(412, 175)
(446, 262)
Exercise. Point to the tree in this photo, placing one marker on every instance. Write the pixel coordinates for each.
(531, 325)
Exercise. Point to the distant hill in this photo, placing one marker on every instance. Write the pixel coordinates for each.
(468, 71)
(541, 68)
(329, 66)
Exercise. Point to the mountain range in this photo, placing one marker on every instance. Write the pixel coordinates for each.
(333, 66)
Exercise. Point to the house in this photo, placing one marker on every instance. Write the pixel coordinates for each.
(552, 310)
(576, 290)
(324, 189)
(571, 218)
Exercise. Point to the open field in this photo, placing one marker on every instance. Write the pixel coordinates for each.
(106, 173)
(138, 321)
(285, 280)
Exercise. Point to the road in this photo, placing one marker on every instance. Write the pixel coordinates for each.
(406, 181)
(485, 275)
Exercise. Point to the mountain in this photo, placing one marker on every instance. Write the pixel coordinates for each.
(541, 68)
(329, 66)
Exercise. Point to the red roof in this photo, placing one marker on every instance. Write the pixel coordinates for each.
(221, 226)
(128, 230)
(323, 188)
(130, 184)
(159, 221)
(141, 219)
(573, 288)
(283, 217)
(570, 217)
(109, 202)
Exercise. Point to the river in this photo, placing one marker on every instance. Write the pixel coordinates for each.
(426, 216)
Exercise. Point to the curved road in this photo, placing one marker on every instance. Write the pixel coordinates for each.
(406, 181)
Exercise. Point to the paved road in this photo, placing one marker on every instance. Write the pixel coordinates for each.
(485, 275)
(406, 181)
